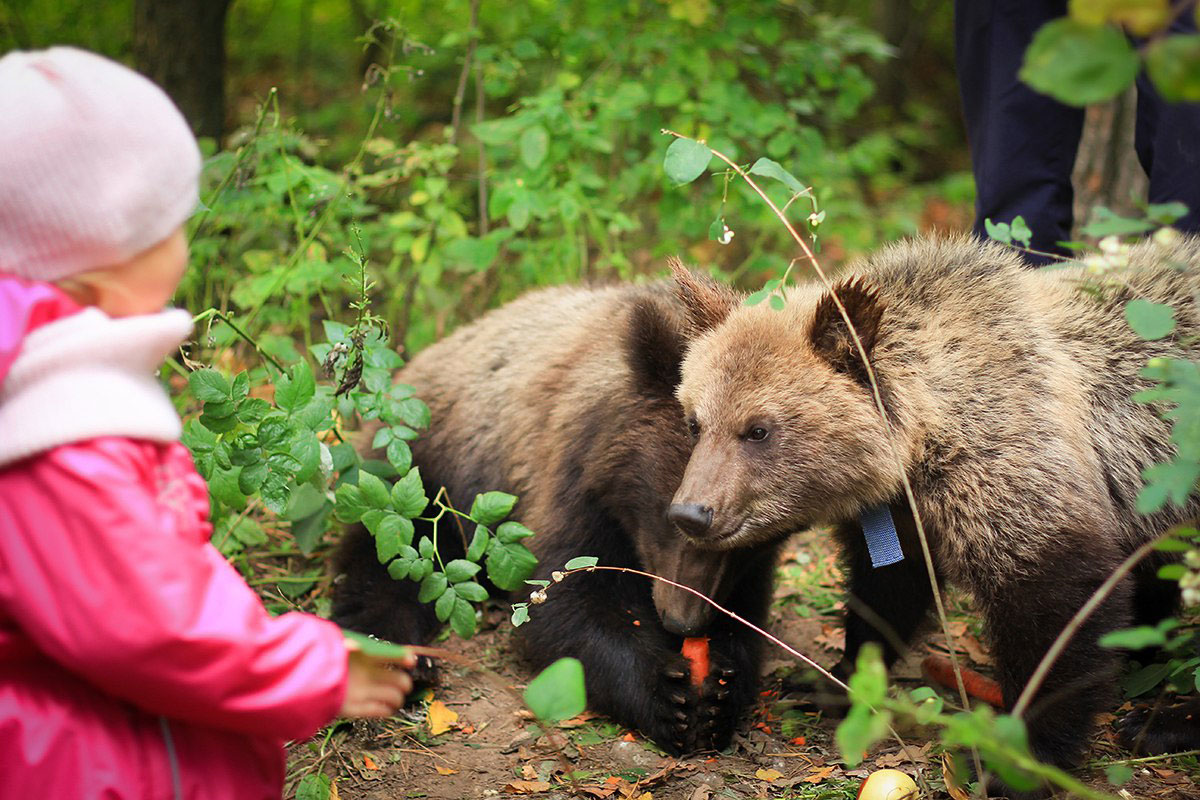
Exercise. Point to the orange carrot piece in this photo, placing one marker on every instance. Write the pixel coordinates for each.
(980, 687)
(695, 650)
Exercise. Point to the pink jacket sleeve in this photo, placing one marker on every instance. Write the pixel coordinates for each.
(110, 582)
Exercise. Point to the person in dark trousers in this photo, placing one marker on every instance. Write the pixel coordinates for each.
(1023, 143)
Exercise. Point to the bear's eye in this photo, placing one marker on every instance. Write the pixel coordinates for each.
(757, 433)
(693, 428)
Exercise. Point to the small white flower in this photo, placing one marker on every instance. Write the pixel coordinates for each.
(556, 576)
(726, 235)
(537, 597)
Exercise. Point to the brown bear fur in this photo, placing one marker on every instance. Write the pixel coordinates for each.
(1007, 394)
(565, 397)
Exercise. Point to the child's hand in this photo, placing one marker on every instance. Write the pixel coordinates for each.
(376, 687)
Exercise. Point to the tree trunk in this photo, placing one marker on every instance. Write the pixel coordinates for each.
(1107, 172)
(180, 45)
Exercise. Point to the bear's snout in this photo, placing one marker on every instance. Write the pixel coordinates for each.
(693, 518)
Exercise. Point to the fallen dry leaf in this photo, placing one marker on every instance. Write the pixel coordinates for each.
(440, 717)
(526, 787)
(953, 786)
(444, 770)
(369, 763)
(768, 775)
(818, 775)
(575, 722)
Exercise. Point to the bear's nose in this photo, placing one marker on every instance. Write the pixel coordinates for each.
(692, 517)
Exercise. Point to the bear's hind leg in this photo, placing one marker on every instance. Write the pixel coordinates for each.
(1024, 616)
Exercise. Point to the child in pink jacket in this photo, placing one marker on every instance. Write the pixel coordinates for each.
(134, 660)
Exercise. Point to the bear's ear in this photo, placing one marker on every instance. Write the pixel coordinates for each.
(654, 345)
(707, 302)
(831, 338)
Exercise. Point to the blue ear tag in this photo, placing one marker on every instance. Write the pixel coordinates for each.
(880, 531)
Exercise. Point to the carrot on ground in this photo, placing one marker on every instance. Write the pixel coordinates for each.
(981, 687)
(695, 650)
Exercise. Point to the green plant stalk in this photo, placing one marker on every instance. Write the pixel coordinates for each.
(213, 313)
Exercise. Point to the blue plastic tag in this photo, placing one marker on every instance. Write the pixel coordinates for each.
(883, 543)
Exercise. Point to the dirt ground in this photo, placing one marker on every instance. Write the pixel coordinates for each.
(492, 749)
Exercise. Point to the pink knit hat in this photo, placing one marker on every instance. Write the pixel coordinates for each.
(96, 163)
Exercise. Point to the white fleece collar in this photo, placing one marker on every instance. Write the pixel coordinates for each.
(89, 375)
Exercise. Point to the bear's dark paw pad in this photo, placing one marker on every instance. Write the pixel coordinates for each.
(425, 674)
(1169, 729)
(687, 721)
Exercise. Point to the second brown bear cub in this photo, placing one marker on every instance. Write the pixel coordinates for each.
(1007, 395)
(565, 397)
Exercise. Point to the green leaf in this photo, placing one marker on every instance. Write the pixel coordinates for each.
(558, 692)
(445, 604)
(376, 648)
(533, 146)
(1171, 572)
(520, 615)
(1105, 223)
(999, 231)
(252, 477)
(399, 455)
(382, 437)
(224, 488)
(462, 617)
(686, 160)
(509, 564)
(1170, 545)
(580, 562)
(400, 568)
(1079, 64)
(491, 507)
(1145, 679)
(460, 570)
(272, 433)
(349, 505)
(275, 493)
(247, 531)
(392, 533)
(294, 390)
(471, 591)
(313, 786)
(414, 412)
(478, 544)
(1173, 64)
(408, 495)
(1166, 213)
(509, 532)
(306, 449)
(716, 231)
(432, 587)
(756, 297)
(1151, 321)
(777, 302)
(209, 386)
(1118, 774)
(1134, 638)
(770, 169)
(374, 491)
(1020, 231)
(425, 547)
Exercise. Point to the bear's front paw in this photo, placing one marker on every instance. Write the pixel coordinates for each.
(1167, 729)
(690, 719)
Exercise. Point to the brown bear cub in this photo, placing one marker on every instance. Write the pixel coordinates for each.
(1007, 399)
(565, 397)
